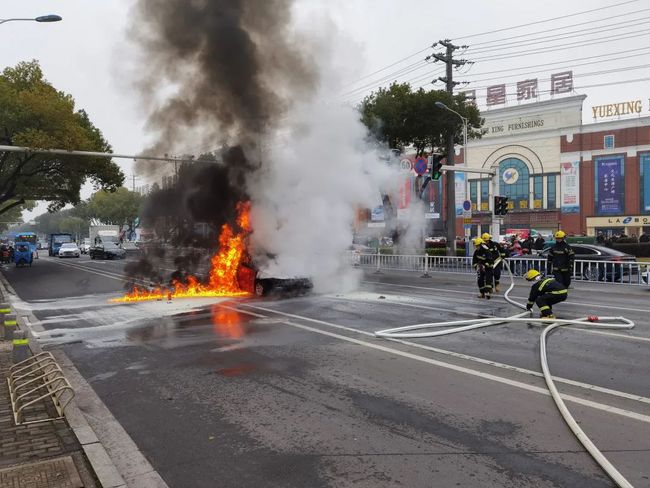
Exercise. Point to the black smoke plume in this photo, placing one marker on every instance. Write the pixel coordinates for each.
(213, 74)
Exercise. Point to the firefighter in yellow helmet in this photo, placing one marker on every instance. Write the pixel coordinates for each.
(483, 264)
(498, 255)
(560, 259)
(545, 292)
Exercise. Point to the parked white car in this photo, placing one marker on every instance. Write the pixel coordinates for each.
(69, 250)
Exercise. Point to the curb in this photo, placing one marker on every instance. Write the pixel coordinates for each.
(140, 472)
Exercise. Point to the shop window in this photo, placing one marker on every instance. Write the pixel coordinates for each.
(514, 182)
(538, 192)
(551, 191)
(485, 195)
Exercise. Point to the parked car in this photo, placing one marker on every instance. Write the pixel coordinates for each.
(69, 250)
(592, 270)
(107, 250)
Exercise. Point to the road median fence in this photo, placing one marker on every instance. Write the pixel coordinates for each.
(618, 272)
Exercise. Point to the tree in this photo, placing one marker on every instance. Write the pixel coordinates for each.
(14, 215)
(401, 117)
(34, 114)
(120, 208)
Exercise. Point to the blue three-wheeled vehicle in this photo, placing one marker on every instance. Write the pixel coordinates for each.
(23, 255)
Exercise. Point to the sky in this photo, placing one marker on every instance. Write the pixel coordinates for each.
(88, 54)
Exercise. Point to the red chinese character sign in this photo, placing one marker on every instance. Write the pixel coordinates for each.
(562, 82)
(496, 95)
(527, 89)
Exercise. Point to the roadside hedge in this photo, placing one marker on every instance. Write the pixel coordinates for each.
(638, 249)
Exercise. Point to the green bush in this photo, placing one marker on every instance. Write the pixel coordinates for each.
(638, 249)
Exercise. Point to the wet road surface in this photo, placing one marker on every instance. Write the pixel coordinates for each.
(298, 392)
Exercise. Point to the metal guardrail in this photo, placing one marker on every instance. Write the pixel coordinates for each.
(36, 379)
(619, 272)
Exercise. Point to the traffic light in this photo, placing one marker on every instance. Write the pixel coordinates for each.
(435, 171)
(500, 205)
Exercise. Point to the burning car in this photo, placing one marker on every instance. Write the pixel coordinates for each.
(261, 283)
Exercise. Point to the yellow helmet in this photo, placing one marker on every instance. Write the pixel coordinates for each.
(560, 234)
(531, 274)
(477, 241)
(486, 237)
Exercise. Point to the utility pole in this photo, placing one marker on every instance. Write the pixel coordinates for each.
(450, 181)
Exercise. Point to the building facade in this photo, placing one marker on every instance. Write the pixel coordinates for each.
(560, 173)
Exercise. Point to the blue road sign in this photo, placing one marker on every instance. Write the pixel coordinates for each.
(467, 205)
(420, 166)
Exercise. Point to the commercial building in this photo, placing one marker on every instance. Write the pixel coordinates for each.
(556, 171)
(560, 173)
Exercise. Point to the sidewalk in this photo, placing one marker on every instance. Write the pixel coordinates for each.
(40, 455)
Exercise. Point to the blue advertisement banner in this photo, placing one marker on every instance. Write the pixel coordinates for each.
(645, 175)
(610, 186)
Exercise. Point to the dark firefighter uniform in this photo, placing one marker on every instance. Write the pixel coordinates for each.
(483, 262)
(545, 292)
(560, 260)
(498, 255)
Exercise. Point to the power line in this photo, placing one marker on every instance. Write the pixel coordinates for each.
(409, 67)
(581, 75)
(640, 33)
(554, 64)
(546, 39)
(547, 20)
(546, 31)
(391, 76)
(386, 67)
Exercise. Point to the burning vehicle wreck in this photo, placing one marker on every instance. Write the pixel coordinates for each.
(228, 272)
(262, 283)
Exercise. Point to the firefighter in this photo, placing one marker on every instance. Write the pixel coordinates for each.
(545, 292)
(560, 259)
(498, 255)
(483, 263)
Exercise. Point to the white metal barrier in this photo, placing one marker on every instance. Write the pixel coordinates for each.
(35, 379)
(620, 272)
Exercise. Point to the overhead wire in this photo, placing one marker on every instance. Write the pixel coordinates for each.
(547, 20)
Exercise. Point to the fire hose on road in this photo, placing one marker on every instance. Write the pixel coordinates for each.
(452, 327)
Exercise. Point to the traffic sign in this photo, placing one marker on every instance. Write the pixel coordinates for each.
(406, 165)
(420, 166)
(467, 205)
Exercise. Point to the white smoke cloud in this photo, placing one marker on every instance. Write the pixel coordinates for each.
(305, 199)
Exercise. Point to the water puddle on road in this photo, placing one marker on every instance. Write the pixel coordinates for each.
(161, 324)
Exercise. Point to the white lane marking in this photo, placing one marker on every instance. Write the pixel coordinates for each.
(471, 313)
(461, 369)
(587, 386)
(105, 275)
(446, 290)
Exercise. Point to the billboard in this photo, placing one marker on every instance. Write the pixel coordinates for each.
(570, 187)
(645, 182)
(461, 191)
(610, 185)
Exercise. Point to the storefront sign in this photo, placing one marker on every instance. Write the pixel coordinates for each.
(501, 129)
(617, 109)
(620, 221)
(609, 182)
(570, 187)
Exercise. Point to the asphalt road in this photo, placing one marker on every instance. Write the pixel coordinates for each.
(298, 392)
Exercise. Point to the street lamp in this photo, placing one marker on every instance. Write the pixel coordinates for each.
(451, 183)
(42, 18)
(465, 120)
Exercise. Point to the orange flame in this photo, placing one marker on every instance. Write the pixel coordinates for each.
(224, 266)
